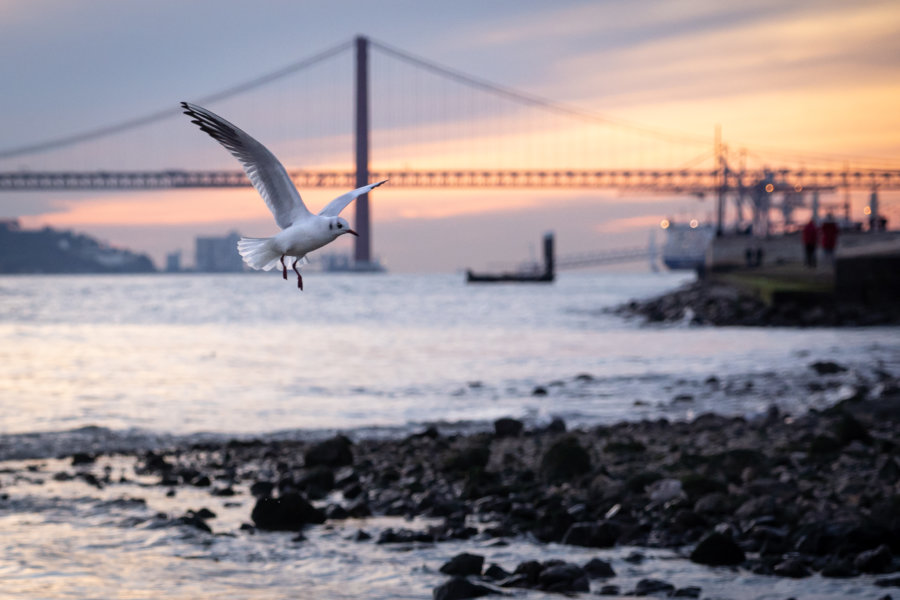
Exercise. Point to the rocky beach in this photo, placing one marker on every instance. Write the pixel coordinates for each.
(781, 495)
(705, 302)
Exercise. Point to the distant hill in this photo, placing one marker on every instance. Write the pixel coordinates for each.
(50, 251)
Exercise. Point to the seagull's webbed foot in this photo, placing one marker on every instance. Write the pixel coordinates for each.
(299, 277)
(283, 268)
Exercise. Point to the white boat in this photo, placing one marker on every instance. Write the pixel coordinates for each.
(686, 243)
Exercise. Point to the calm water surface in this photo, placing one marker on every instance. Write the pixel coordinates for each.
(141, 358)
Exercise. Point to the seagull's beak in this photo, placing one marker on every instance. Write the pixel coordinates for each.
(353, 232)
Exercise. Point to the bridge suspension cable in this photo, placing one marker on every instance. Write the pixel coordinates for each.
(167, 113)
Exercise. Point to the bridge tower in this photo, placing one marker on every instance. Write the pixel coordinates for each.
(362, 254)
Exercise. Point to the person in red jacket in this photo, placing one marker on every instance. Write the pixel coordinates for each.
(829, 238)
(810, 238)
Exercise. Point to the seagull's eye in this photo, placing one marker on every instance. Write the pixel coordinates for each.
(340, 226)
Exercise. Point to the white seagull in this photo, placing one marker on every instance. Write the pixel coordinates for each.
(301, 231)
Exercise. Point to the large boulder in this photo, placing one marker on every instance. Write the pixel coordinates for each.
(288, 512)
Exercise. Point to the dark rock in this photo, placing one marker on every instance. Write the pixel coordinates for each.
(334, 452)
(878, 560)
(825, 444)
(204, 513)
(83, 458)
(460, 587)
(635, 558)
(624, 447)
(507, 427)
(336, 512)
(563, 578)
(564, 460)
(473, 455)
(289, 512)
(539, 391)
(317, 481)
(646, 587)
(531, 570)
(717, 549)
(827, 367)
(496, 572)
(592, 535)
(194, 521)
(361, 536)
(598, 568)
(556, 425)
(463, 564)
(262, 489)
(839, 567)
(792, 566)
(714, 504)
(223, 491)
(849, 429)
(404, 536)
(888, 582)
(691, 591)
(609, 590)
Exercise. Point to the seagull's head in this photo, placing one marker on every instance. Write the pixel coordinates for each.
(340, 226)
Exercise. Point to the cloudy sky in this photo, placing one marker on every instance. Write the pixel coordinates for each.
(802, 79)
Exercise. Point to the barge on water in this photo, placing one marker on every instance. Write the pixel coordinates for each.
(536, 275)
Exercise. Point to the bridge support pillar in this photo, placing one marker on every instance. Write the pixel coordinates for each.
(362, 254)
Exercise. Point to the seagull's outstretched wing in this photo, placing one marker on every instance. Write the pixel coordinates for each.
(265, 172)
(334, 208)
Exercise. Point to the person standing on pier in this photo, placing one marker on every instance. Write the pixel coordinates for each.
(829, 238)
(810, 237)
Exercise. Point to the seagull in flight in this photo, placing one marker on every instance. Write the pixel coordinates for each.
(301, 231)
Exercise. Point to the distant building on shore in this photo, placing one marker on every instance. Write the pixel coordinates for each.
(173, 262)
(218, 254)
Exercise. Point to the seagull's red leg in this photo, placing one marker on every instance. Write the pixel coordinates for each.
(299, 277)
(283, 268)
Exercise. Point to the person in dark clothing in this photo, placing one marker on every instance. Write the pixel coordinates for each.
(829, 238)
(810, 237)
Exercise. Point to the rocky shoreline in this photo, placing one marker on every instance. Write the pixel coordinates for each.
(710, 303)
(779, 495)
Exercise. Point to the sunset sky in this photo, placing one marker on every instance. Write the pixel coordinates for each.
(804, 79)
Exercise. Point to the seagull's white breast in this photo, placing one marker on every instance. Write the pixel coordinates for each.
(304, 236)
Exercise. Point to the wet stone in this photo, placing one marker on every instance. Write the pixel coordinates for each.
(878, 560)
(507, 427)
(562, 578)
(289, 512)
(647, 587)
(717, 549)
(460, 587)
(598, 568)
(463, 564)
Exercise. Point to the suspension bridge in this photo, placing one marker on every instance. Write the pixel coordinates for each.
(423, 125)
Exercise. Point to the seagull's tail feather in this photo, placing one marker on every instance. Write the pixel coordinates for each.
(258, 253)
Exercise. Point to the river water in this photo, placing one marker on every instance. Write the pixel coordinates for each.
(106, 362)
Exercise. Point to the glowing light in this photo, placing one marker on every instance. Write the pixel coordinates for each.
(664, 223)
(867, 210)
(694, 223)
(770, 188)
(798, 188)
